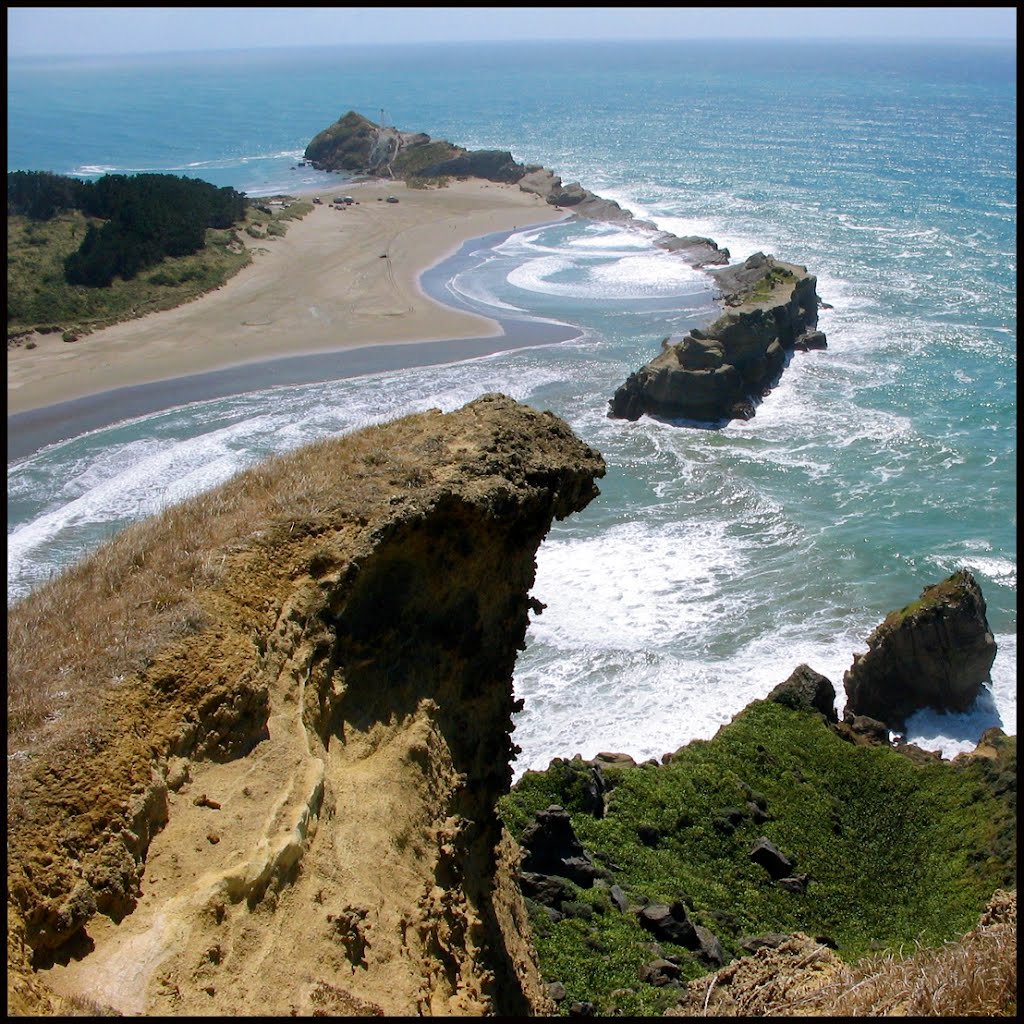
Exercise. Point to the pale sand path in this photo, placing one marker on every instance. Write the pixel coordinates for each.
(323, 287)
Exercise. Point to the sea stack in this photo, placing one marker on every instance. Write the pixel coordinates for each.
(719, 374)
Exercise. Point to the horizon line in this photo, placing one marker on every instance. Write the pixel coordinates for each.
(914, 40)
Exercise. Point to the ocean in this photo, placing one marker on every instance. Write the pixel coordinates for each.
(714, 561)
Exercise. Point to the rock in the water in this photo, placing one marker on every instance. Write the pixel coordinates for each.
(934, 653)
(720, 373)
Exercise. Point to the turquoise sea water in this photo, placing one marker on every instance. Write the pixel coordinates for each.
(713, 562)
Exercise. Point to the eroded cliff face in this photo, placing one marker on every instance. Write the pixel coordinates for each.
(290, 808)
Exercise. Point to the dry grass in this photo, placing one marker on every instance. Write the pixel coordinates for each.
(73, 641)
(974, 977)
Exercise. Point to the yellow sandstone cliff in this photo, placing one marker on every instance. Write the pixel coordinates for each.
(256, 742)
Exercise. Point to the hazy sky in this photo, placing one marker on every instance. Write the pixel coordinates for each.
(95, 30)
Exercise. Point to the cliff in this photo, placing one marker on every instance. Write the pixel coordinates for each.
(266, 784)
(718, 374)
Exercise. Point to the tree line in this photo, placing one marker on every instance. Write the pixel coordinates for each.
(147, 217)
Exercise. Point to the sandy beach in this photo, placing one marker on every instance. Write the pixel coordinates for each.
(337, 280)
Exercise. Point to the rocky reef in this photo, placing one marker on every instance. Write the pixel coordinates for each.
(722, 372)
(288, 805)
(357, 145)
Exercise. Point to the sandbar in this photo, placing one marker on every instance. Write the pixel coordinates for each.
(338, 279)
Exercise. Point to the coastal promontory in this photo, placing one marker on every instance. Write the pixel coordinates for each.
(272, 788)
(356, 145)
(710, 375)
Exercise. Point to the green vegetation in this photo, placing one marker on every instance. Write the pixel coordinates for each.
(439, 182)
(415, 158)
(897, 853)
(765, 289)
(932, 596)
(39, 296)
(135, 221)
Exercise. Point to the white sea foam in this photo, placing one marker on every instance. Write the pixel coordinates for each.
(996, 706)
(650, 275)
(90, 169)
(476, 290)
(646, 701)
(999, 570)
(616, 240)
(216, 163)
(641, 585)
(120, 486)
(713, 562)
(740, 246)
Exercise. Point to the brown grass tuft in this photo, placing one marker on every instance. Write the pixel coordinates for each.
(974, 977)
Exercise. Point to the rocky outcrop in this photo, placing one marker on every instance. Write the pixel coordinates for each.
(550, 847)
(807, 690)
(288, 805)
(934, 653)
(721, 373)
(354, 143)
(708, 376)
(489, 164)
